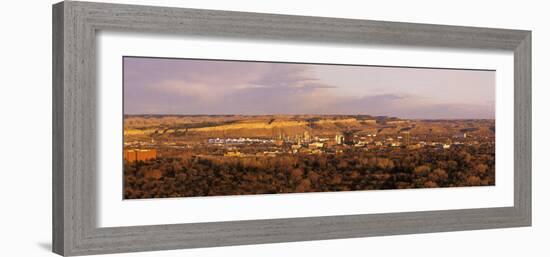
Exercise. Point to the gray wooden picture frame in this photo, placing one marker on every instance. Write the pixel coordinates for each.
(75, 25)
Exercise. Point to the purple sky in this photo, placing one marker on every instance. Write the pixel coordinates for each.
(179, 86)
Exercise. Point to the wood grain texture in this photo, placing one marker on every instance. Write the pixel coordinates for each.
(75, 25)
(57, 124)
(522, 128)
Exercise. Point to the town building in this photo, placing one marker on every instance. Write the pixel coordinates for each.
(307, 136)
(339, 139)
(233, 154)
(315, 145)
(133, 155)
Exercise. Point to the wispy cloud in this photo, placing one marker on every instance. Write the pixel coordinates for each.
(224, 87)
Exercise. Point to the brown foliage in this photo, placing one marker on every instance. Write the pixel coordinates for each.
(188, 175)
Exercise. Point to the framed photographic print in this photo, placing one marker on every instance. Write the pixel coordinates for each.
(183, 128)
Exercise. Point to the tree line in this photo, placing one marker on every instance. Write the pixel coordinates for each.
(189, 175)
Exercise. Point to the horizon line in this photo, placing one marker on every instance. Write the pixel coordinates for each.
(374, 116)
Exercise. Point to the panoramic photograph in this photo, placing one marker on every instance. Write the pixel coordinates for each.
(199, 127)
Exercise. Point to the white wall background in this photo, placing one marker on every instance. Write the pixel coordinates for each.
(25, 104)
